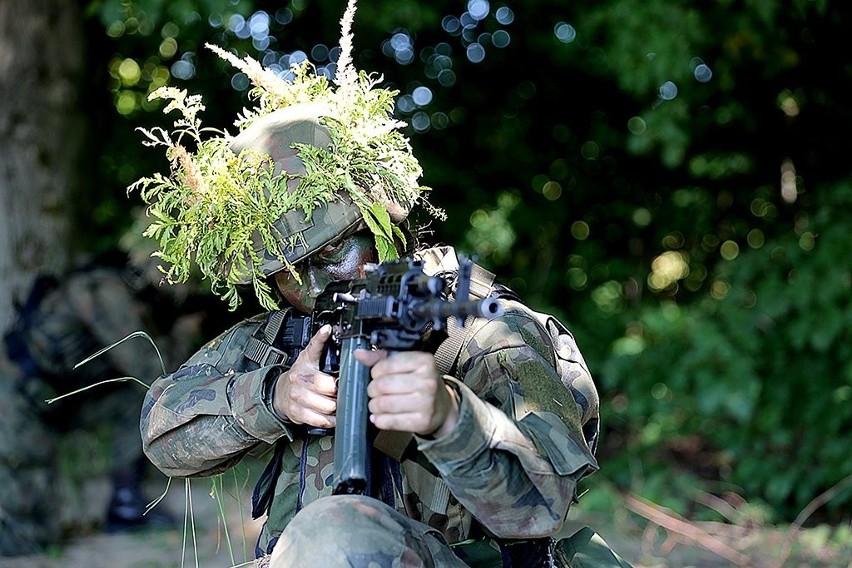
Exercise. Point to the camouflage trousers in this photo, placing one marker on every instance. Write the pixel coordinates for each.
(353, 531)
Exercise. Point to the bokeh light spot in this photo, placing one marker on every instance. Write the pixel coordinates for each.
(478, 9)
(440, 120)
(590, 150)
(636, 125)
(129, 72)
(170, 29)
(667, 269)
(420, 121)
(729, 250)
(565, 32)
(501, 39)
(504, 15)
(668, 91)
(577, 278)
(719, 289)
(320, 52)
(406, 104)
(608, 297)
(447, 78)
(702, 73)
(240, 81)
(755, 238)
(116, 29)
(807, 241)
(126, 102)
(183, 69)
(451, 25)
(552, 190)
(168, 48)
(422, 96)
(580, 230)
(642, 217)
(660, 391)
(475, 53)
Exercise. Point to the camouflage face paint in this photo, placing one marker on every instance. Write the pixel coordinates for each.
(343, 260)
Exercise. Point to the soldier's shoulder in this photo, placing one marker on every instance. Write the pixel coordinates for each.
(228, 347)
(519, 326)
(516, 316)
(241, 329)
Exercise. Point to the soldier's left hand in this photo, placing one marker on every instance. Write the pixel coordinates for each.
(408, 394)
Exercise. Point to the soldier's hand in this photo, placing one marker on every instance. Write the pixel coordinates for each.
(304, 394)
(408, 394)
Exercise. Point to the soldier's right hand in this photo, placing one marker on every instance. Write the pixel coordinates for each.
(304, 394)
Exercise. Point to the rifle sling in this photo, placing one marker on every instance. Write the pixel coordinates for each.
(481, 286)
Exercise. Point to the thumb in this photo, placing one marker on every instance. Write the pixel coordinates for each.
(313, 351)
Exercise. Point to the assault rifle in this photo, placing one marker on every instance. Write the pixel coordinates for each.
(391, 308)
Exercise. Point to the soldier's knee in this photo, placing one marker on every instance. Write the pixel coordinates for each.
(340, 513)
(333, 531)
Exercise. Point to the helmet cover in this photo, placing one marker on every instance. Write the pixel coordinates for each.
(311, 162)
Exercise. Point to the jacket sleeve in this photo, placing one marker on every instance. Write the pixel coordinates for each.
(202, 419)
(519, 449)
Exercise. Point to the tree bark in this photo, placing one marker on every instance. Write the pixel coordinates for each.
(41, 139)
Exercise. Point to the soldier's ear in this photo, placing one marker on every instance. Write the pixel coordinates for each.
(272, 282)
(407, 247)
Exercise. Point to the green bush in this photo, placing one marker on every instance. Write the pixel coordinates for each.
(760, 374)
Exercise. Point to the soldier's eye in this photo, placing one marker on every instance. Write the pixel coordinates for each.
(328, 251)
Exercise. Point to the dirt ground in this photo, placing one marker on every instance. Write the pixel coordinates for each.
(643, 545)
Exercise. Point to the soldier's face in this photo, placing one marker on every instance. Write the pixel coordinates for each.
(343, 260)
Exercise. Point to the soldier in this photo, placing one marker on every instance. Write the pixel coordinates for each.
(63, 322)
(497, 440)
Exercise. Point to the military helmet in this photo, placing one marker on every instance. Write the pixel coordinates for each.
(275, 135)
(313, 161)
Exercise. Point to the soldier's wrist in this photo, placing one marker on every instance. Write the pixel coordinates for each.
(451, 420)
(269, 394)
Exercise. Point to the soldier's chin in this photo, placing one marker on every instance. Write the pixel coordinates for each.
(301, 304)
(308, 307)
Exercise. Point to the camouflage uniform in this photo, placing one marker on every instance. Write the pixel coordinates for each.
(86, 311)
(509, 469)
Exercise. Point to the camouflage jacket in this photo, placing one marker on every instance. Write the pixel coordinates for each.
(523, 441)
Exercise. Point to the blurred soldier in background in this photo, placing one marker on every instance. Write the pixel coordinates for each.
(62, 322)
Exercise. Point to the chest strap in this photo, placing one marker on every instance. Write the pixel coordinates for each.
(259, 347)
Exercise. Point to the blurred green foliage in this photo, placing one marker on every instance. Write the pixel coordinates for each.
(756, 382)
(670, 178)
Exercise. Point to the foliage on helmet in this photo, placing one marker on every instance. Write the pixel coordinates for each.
(216, 203)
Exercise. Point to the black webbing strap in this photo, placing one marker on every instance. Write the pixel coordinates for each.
(481, 286)
(264, 489)
(259, 346)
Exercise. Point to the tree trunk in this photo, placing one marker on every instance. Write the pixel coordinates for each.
(41, 139)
